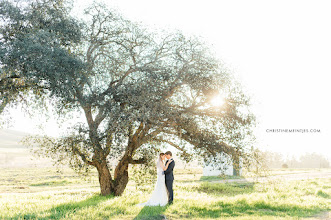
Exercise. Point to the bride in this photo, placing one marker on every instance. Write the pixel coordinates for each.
(160, 194)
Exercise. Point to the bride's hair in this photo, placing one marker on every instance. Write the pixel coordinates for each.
(161, 154)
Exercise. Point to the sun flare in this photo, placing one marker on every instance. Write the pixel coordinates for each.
(217, 101)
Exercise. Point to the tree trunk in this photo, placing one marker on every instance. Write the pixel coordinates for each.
(117, 185)
(105, 180)
(121, 177)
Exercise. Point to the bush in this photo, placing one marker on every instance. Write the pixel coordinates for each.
(284, 165)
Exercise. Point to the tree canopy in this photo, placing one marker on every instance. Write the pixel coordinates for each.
(137, 88)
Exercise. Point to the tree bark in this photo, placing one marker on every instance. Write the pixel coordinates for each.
(121, 176)
(116, 187)
(105, 180)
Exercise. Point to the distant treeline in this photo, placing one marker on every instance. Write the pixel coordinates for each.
(308, 160)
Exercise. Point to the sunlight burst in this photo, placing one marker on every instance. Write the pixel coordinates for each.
(217, 101)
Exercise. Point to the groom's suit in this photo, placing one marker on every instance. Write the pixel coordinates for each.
(169, 179)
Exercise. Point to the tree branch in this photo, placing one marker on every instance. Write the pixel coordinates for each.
(75, 150)
(171, 143)
(139, 161)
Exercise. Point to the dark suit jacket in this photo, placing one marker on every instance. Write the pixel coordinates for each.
(169, 175)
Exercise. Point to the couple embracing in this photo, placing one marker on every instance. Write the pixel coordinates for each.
(163, 193)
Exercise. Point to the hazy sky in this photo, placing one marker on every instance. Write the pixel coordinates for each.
(280, 50)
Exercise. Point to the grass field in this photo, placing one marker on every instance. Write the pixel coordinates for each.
(43, 193)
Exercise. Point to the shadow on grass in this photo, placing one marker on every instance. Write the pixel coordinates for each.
(63, 210)
(215, 178)
(152, 213)
(231, 189)
(322, 194)
(52, 183)
(243, 208)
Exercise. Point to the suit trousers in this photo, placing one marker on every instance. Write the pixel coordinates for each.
(169, 184)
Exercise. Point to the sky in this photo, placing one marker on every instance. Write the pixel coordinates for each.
(279, 50)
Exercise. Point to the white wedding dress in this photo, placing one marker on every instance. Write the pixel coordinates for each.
(160, 194)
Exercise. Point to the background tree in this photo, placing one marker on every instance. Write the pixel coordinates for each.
(135, 88)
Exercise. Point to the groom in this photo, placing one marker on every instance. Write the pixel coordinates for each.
(169, 176)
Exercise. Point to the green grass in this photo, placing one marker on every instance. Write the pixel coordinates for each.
(45, 194)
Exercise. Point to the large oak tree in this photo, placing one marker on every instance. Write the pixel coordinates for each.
(135, 87)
